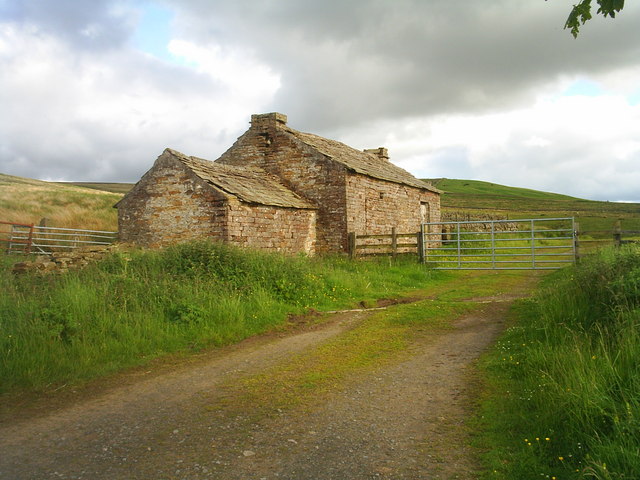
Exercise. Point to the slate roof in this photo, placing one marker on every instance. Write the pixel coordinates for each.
(249, 184)
(361, 162)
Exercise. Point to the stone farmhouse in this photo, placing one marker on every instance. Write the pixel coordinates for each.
(279, 189)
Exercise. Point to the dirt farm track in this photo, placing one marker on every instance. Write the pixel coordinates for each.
(405, 419)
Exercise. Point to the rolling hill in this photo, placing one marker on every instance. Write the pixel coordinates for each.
(24, 200)
(89, 204)
(477, 199)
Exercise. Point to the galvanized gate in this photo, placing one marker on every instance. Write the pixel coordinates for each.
(41, 240)
(527, 244)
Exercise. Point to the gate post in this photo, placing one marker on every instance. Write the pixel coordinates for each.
(576, 241)
(352, 244)
(617, 234)
(420, 244)
(394, 242)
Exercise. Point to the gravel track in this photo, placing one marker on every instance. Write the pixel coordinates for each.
(404, 420)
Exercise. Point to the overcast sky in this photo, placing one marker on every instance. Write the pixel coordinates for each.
(490, 90)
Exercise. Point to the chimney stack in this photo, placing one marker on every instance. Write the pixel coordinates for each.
(380, 152)
(268, 120)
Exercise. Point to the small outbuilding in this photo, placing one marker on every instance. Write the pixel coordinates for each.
(184, 198)
(279, 189)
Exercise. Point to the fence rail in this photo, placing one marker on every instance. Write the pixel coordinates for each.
(527, 244)
(383, 244)
(25, 238)
(590, 239)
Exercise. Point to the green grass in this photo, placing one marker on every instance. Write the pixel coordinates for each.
(477, 187)
(563, 384)
(476, 199)
(134, 306)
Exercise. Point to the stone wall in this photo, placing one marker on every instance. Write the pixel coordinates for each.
(375, 206)
(265, 227)
(60, 262)
(320, 181)
(170, 204)
(303, 170)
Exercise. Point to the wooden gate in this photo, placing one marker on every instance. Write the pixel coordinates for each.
(384, 244)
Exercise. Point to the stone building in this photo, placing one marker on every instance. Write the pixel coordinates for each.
(276, 188)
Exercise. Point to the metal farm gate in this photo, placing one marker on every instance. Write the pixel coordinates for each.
(529, 244)
(28, 238)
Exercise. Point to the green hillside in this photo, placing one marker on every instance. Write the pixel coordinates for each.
(89, 204)
(477, 199)
(477, 187)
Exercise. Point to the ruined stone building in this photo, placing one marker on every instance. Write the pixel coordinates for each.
(276, 188)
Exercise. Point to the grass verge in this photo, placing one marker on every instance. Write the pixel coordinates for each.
(563, 384)
(135, 306)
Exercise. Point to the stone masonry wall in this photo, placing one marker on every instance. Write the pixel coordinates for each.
(169, 205)
(320, 181)
(375, 206)
(303, 170)
(265, 227)
(60, 262)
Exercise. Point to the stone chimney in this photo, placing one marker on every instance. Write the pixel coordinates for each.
(380, 152)
(266, 121)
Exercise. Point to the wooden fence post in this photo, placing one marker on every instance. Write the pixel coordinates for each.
(421, 244)
(352, 244)
(394, 242)
(617, 234)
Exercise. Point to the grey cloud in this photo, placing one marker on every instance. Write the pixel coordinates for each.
(348, 70)
(450, 162)
(87, 25)
(102, 119)
(347, 62)
(575, 166)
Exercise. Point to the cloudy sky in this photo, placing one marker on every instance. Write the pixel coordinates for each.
(491, 90)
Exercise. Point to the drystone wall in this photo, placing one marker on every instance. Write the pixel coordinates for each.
(482, 222)
(60, 262)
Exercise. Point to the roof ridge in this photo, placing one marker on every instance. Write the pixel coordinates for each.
(249, 184)
(359, 161)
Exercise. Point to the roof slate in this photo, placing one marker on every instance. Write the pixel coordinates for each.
(249, 184)
(361, 162)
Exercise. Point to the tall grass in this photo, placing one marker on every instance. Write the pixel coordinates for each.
(564, 382)
(23, 200)
(137, 305)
